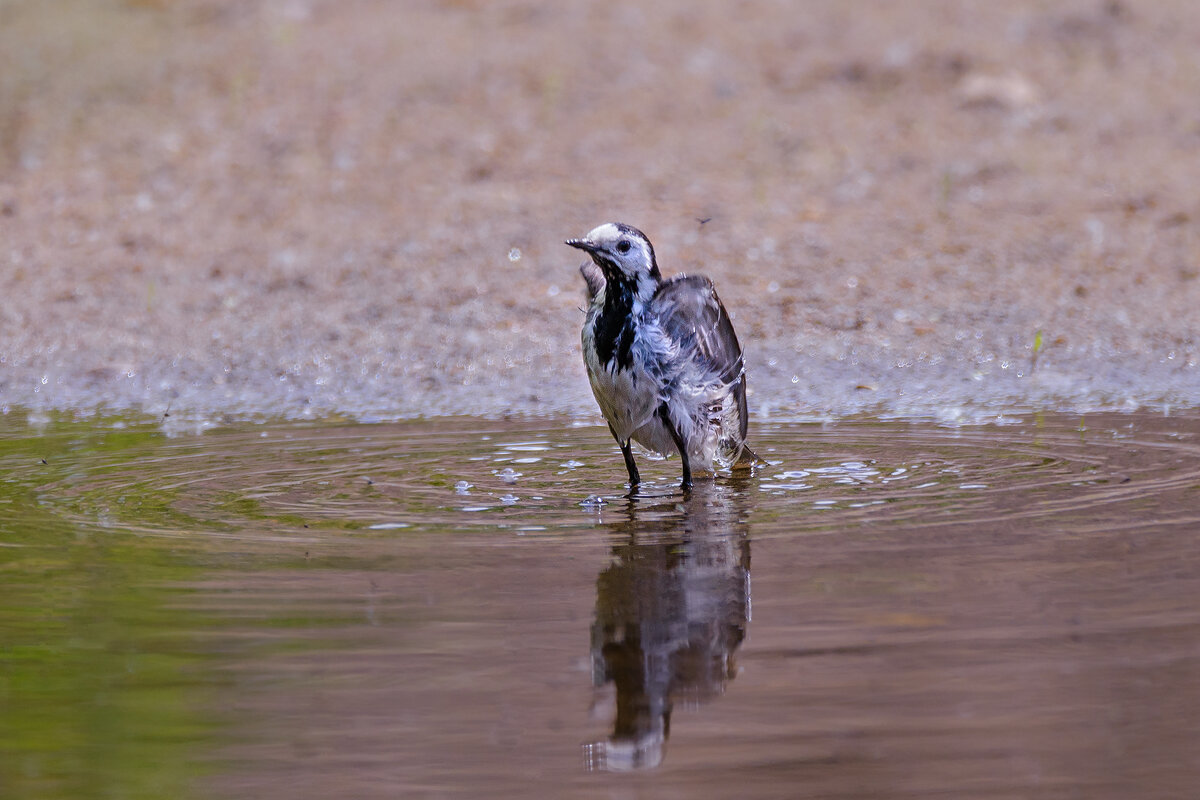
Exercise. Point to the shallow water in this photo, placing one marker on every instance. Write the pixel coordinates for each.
(470, 608)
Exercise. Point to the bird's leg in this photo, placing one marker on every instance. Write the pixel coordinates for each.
(630, 466)
(634, 478)
(678, 439)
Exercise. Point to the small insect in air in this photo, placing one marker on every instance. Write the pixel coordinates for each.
(662, 357)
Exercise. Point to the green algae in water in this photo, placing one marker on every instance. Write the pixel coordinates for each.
(104, 690)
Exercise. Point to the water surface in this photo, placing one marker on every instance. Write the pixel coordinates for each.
(472, 608)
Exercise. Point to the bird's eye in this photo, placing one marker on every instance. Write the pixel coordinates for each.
(623, 246)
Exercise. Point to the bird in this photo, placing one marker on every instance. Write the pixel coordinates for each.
(662, 358)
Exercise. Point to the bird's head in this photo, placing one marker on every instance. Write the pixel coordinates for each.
(623, 253)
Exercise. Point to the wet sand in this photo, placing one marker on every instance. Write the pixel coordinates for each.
(314, 208)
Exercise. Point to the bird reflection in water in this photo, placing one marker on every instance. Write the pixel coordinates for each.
(671, 611)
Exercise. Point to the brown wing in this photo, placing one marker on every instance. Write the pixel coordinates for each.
(593, 276)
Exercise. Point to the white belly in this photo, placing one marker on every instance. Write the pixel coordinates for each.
(627, 402)
(630, 400)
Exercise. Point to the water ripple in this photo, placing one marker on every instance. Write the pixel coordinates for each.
(291, 479)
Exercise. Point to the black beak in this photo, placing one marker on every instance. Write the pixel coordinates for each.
(583, 244)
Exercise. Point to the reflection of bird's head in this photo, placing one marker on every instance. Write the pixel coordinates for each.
(626, 755)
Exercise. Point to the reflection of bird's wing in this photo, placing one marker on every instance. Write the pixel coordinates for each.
(689, 312)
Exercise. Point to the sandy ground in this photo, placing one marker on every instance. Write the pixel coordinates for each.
(311, 208)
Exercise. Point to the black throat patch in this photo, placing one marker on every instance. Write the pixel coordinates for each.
(614, 325)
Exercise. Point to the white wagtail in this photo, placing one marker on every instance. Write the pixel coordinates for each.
(663, 360)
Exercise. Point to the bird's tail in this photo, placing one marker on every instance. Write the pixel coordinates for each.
(749, 460)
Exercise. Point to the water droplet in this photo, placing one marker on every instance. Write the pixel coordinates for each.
(509, 499)
(795, 379)
(593, 501)
(514, 254)
(462, 487)
(509, 475)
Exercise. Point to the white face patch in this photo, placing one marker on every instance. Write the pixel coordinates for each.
(608, 232)
(629, 251)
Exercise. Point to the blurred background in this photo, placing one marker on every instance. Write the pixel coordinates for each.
(312, 208)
